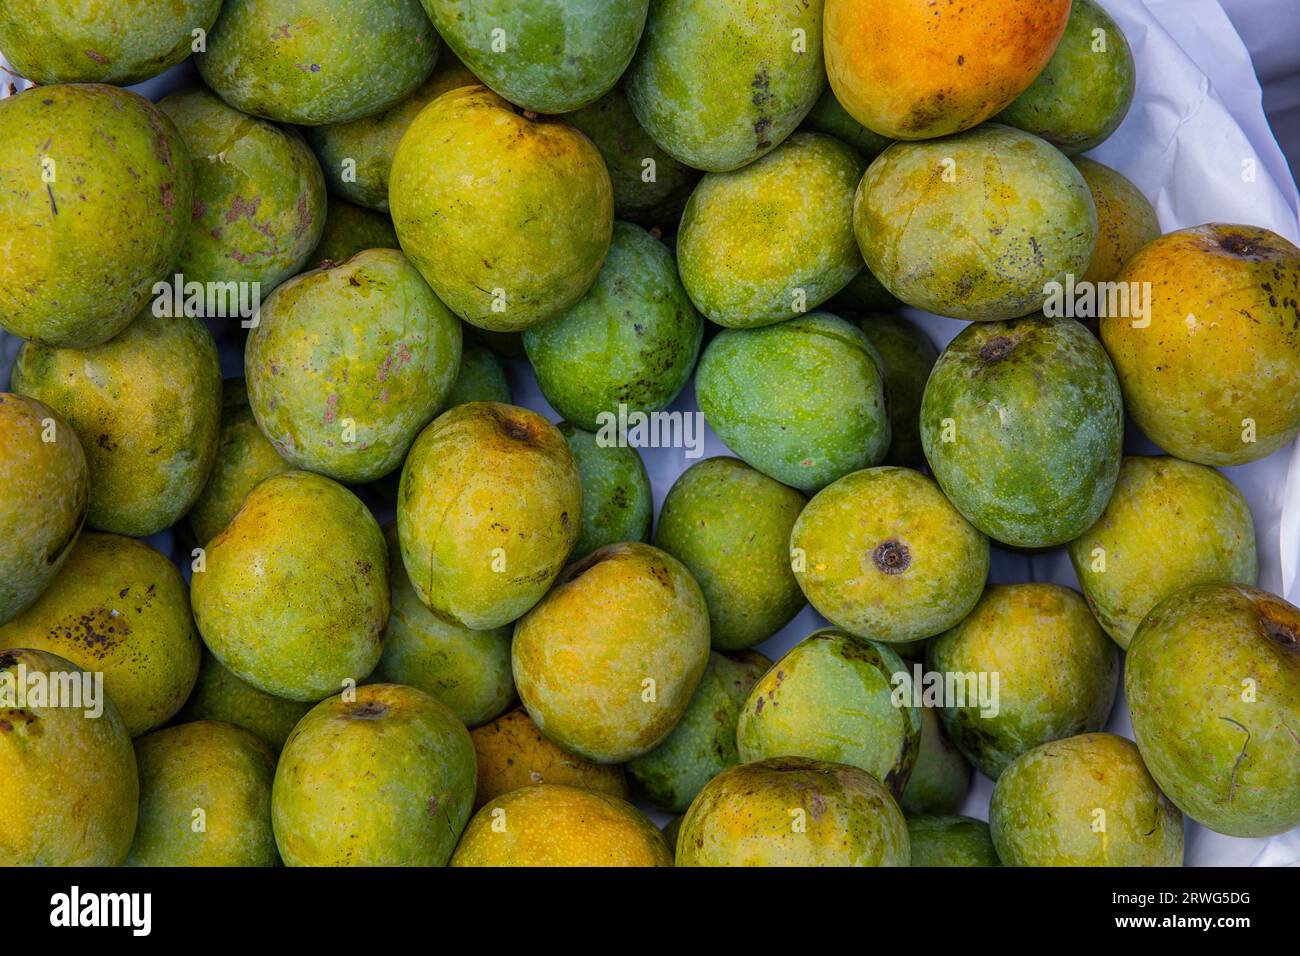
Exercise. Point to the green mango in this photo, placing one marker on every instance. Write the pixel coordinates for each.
(617, 501)
(950, 841)
(830, 117)
(907, 356)
(480, 379)
(221, 696)
(351, 229)
(941, 778)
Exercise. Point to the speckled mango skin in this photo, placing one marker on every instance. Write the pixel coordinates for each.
(512, 753)
(365, 342)
(1057, 672)
(703, 744)
(1045, 808)
(1126, 220)
(526, 247)
(913, 69)
(119, 608)
(558, 56)
(941, 776)
(367, 145)
(469, 671)
(791, 811)
(221, 696)
(554, 825)
(259, 195)
(318, 61)
(802, 401)
(122, 42)
(631, 340)
(69, 789)
(1083, 93)
(1014, 217)
(883, 555)
(1169, 525)
(617, 501)
(44, 489)
(386, 779)
(488, 512)
(1229, 762)
(624, 615)
(625, 147)
(831, 698)
(718, 83)
(1191, 385)
(147, 409)
(950, 841)
(351, 229)
(775, 239)
(294, 595)
(83, 252)
(730, 525)
(907, 355)
(1023, 425)
(218, 768)
(829, 117)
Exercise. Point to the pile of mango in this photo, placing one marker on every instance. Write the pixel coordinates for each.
(426, 200)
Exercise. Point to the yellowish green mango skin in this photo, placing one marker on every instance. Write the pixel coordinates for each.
(469, 671)
(220, 769)
(244, 458)
(1169, 525)
(1085, 91)
(349, 362)
(1203, 389)
(718, 83)
(617, 500)
(221, 696)
(907, 355)
(802, 401)
(1057, 672)
(883, 555)
(940, 779)
(312, 62)
(488, 511)
(940, 840)
(792, 811)
(122, 42)
(84, 250)
(525, 248)
(293, 597)
(557, 57)
(830, 117)
(512, 753)
(774, 239)
(147, 409)
(386, 779)
(1012, 216)
(730, 525)
(259, 195)
(703, 744)
(70, 789)
(1212, 680)
(480, 379)
(119, 608)
(554, 825)
(607, 662)
(1085, 801)
(831, 698)
(351, 229)
(357, 156)
(46, 489)
(1126, 220)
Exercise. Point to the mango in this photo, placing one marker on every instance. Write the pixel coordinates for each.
(1126, 220)
(617, 501)
(384, 779)
(221, 696)
(89, 230)
(718, 83)
(607, 662)
(1212, 680)
(907, 356)
(950, 841)
(292, 596)
(1212, 374)
(940, 778)
(480, 379)
(488, 511)
(883, 555)
(977, 226)
(351, 229)
(1085, 801)
(863, 293)
(746, 816)
(909, 69)
(522, 251)
(1023, 425)
(829, 117)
